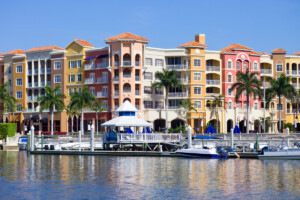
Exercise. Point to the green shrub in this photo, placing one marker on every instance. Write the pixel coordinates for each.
(7, 129)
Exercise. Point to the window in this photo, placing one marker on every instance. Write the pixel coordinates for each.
(9, 70)
(57, 78)
(197, 50)
(57, 65)
(105, 104)
(197, 76)
(279, 107)
(92, 90)
(279, 68)
(71, 78)
(148, 75)
(159, 104)
(148, 104)
(197, 90)
(19, 68)
(19, 108)
(159, 91)
(229, 64)
(79, 90)
(255, 66)
(9, 82)
(229, 92)
(58, 92)
(70, 91)
(19, 95)
(237, 65)
(105, 91)
(159, 62)
(197, 62)
(229, 105)
(74, 90)
(71, 64)
(187, 62)
(78, 63)
(197, 104)
(147, 90)
(245, 66)
(78, 77)
(148, 61)
(255, 106)
(19, 81)
(229, 79)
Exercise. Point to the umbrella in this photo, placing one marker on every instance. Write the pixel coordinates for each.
(210, 129)
(236, 129)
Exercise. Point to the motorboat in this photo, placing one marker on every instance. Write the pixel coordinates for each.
(22, 143)
(280, 153)
(205, 152)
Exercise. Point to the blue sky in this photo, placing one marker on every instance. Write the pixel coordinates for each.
(262, 25)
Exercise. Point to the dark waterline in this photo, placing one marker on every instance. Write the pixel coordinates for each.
(25, 176)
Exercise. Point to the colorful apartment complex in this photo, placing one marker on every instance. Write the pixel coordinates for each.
(125, 70)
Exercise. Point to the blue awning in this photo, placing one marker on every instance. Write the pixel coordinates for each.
(89, 58)
(205, 137)
(102, 56)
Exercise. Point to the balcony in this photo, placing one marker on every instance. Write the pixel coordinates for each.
(29, 98)
(42, 71)
(101, 65)
(116, 63)
(183, 80)
(42, 84)
(213, 68)
(178, 94)
(36, 84)
(29, 85)
(116, 78)
(89, 81)
(213, 94)
(177, 67)
(137, 93)
(49, 83)
(126, 90)
(294, 72)
(35, 98)
(102, 94)
(173, 107)
(29, 72)
(89, 67)
(267, 84)
(48, 70)
(126, 63)
(116, 93)
(294, 85)
(28, 110)
(102, 80)
(36, 71)
(265, 71)
(213, 82)
(126, 75)
(137, 78)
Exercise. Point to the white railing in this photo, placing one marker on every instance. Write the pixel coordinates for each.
(137, 78)
(213, 82)
(101, 65)
(89, 67)
(89, 81)
(212, 68)
(176, 67)
(36, 71)
(294, 72)
(178, 94)
(183, 80)
(116, 78)
(102, 80)
(102, 94)
(213, 94)
(137, 92)
(265, 71)
(29, 84)
(127, 63)
(146, 138)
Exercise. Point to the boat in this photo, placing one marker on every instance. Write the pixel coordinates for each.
(204, 152)
(280, 153)
(22, 143)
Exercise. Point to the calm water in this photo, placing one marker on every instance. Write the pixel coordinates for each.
(25, 176)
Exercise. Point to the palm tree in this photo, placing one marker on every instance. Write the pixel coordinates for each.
(280, 87)
(98, 108)
(81, 101)
(216, 103)
(71, 112)
(50, 100)
(7, 101)
(187, 105)
(166, 80)
(249, 83)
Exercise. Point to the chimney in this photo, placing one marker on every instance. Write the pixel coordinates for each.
(200, 38)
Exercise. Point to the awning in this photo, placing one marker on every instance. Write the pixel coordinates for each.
(35, 118)
(89, 58)
(44, 120)
(102, 56)
(126, 121)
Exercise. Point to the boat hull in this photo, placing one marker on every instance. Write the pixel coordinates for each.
(199, 153)
(290, 154)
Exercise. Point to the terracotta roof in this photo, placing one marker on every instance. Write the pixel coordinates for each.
(255, 52)
(0, 54)
(193, 44)
(264, 53)
(278, 50)
(44, 48)
(230, 48)
(127, 36)
(83, 43)
(16, 51)
(297, 53)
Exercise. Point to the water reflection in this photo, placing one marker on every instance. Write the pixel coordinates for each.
(100, 177)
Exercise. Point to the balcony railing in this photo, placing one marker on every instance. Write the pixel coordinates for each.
(36, 71)
(116, 78)
(35, 98)
(28, 110)
(49, 83)
(176, 67)
(173, 107)
(89, 67)
(29, 85)
(126, 75)
(29, 98)
(42, 71)
(212, 68)
(265, 71)
(116, 63)
(213, 93)
(127, 63)
(102, 80)
(48, 70)
(178, 94)
(127, 90)
(101, 65)
(30, 72)
(102, 94)
(137, 78)
(89, 81)
(267, 84)
(294, 72)
(36, 84)
(137, 92)
(213, 82)
(183, 80)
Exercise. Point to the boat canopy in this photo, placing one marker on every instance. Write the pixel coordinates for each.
(126, 121)
(210, 129)
(205, 137)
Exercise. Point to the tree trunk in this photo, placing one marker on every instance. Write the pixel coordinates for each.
(167, 105)
(279, 115)
(52, 122)
(72, 126)
(68, 125)
(247, 114)
(217, 117)
(81, 126)
(97, 122)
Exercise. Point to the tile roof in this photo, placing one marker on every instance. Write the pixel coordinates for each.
(44, 48)
(297, 53)
(127, 36)
(0, 54)
(192, 44)
(264, 53)
(255, 52)
(16, 51)
(230, 48)
(278, 50)
(84, 43)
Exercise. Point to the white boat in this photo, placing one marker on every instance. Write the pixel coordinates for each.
(286, 153)
(22, 143)
(204, 152)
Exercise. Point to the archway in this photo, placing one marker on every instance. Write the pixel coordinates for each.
(257, 126)
(229, 125)
(116, 60)
(126, 87)
(159, 124)
(177, 122)
(243, 126)
(137, 60)
(214, 124)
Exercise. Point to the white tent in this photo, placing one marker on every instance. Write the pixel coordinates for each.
(126, 121)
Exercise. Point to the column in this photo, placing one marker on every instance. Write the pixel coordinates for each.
(121, 55)
(39, 75)
(45, 75)
(132, 55)
(109, 56)
(32, 73)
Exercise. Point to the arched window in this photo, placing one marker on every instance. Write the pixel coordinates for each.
(126, 73)
(229, 64)
(137, 60)
(127, 87)
(126, 60)
(255, 66)
(116, 60)
(229, 78)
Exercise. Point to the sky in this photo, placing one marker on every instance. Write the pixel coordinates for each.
(263, 25)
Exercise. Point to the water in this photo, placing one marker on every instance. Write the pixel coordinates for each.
(25, 176)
